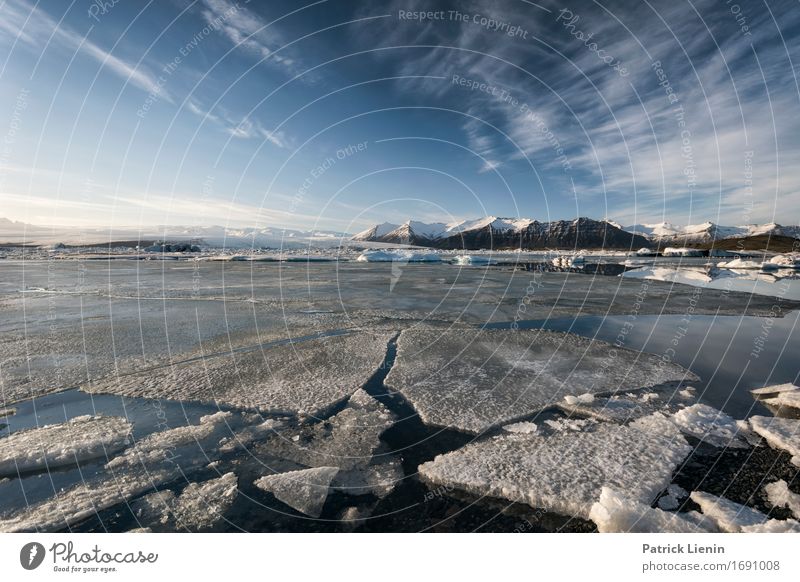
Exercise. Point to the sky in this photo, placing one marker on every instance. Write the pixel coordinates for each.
(340, 114)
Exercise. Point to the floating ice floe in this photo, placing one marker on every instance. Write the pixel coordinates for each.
(615, 512)
(199, 506)
(145, 466)
(478, 380)
(709, 425)
(565, 471)
(780, 433)
(78, 440)
(381, 256)
(734, 517)
(6, 412)
(306, 378)
(779, 495)
(350, 440)
(566, 262)
(305, 490)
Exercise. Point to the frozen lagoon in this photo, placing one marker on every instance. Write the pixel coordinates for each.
(174, 340)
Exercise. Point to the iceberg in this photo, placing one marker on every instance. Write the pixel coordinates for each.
(479, 380)
(305, 490)
(304, 378)
(779, 495)
(734, 517)
(780, 433)
(614, 512)
(403, 256)
(623, 408)
(78, 440)
(564, 472)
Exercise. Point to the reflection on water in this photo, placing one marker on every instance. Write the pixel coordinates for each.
(732, 355)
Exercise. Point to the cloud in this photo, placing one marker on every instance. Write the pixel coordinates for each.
(35, 28)
(246, 29)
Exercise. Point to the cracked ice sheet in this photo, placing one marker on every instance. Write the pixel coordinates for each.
(80, 439)
(142, 468)
(199, 506)
(350, 440)
(734, 517)
(565, 471)
(780, 433)
(475, 381)
(305, 378)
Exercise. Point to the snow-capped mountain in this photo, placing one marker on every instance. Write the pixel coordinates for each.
(494, 232)
(708, 231)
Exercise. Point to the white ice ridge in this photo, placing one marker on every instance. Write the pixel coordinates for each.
(199, 506)
(629, 406)
(350, 440)
(80, 439)
(305, 490)
(478, 380)
(142, 468)
(304, 378)
(566, 471)
(734, 517)
(780, 433)
(403, 256)
(615, 512)
(779, 495)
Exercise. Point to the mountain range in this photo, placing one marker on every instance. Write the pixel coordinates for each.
(526, 233)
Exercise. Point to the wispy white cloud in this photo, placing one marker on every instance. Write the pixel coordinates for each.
(35, 28)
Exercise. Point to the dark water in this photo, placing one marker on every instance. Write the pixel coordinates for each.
(732, 355)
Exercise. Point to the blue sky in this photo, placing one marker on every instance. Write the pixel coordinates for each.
(251, 114)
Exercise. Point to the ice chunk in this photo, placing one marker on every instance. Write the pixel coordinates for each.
(350, 440)
(709, 425)
(774, 390)
(403, 256)
(472, 260)
(734, 517)
(522, 427)
(6, 412)
(779, 495)
(780, 433)
(306, 378)
(143, 467)
(565, 471)
(80, 439)
(488, 378)
(671, 500)
(788, 399)
(614, 512)
(681, 275)
(305, 490)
